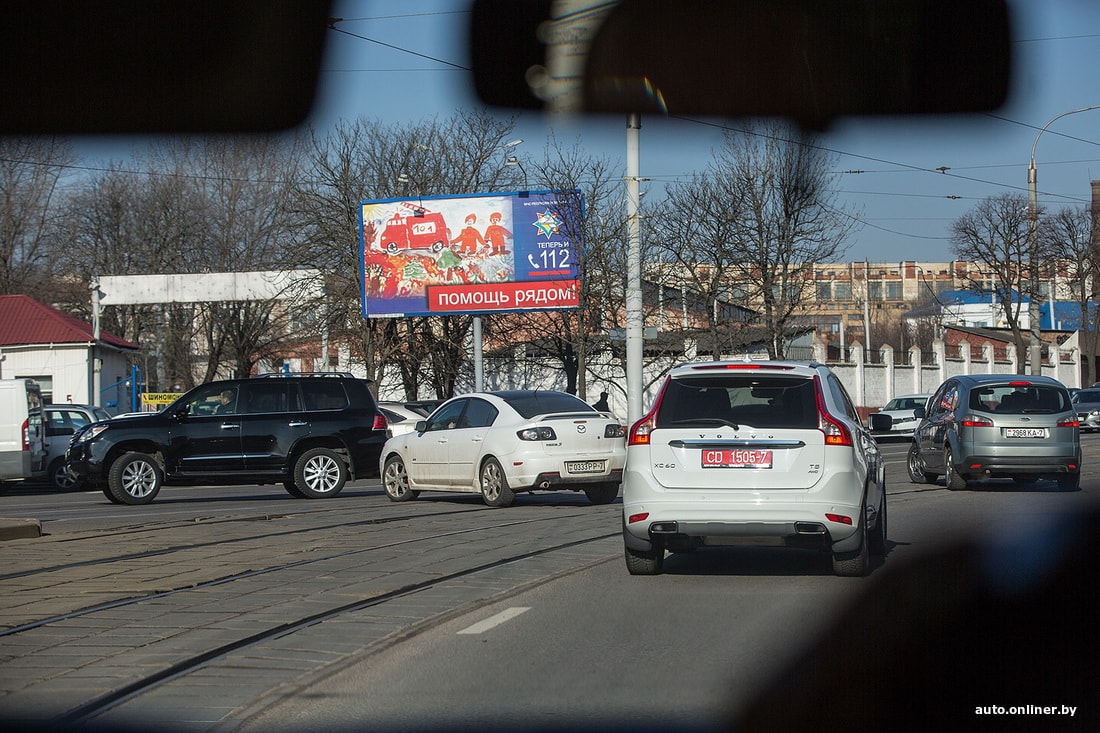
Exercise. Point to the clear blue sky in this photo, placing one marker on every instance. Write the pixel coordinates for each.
(907, 205)
(403, 60)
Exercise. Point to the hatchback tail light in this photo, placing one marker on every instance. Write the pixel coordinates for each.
(380, 422)
(1069, 422)
(975, 421)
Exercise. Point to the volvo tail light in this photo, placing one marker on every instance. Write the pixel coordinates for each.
(836, 432)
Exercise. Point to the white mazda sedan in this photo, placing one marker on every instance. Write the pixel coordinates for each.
(500, 443)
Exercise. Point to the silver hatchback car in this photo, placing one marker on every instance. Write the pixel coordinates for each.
(981, 426)
(750, 453)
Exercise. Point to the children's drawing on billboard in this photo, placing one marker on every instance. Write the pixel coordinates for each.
(477, 253)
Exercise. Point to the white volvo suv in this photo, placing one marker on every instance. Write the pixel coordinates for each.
(753, 452)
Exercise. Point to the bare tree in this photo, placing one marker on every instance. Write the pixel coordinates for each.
(591, 195)
(994, 236)
(365, 160)
(31, 172)
(122, 222)
(197, 205)
(759, 215)
(1067, 237)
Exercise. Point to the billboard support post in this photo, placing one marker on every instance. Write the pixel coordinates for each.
(479, 366)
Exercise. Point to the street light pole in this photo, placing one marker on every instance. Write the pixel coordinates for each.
(1035, 352)
(634, 326)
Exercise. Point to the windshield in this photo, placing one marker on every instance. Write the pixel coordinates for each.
(905, 403)
(407, 232)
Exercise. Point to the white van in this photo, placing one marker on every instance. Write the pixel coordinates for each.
(22, 433)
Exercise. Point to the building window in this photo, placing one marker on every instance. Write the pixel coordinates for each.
(45, 385)
(842, 291)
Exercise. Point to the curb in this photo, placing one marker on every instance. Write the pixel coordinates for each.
(18, 529)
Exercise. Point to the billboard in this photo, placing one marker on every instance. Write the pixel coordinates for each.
(479, 253)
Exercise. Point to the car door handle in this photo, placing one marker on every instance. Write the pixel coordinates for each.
(230, 426)
(298, 423)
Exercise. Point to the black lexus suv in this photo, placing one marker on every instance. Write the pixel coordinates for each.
(311, 432)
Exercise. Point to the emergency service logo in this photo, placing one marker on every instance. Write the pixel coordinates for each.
(548, 223)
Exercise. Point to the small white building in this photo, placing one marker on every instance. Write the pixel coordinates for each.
(57, 350)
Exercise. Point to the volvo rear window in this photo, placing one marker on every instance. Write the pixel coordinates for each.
(768, 402)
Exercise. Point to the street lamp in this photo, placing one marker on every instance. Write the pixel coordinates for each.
(1035, 352)
(513, 160)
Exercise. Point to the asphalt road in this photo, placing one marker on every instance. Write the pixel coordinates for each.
(243, 609)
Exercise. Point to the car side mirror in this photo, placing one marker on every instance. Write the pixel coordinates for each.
(421, 426)
(919, 412)
(881, 423)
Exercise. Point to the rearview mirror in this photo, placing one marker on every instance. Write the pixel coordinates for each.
(811, 61)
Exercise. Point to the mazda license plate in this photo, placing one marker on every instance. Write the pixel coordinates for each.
(585, 466)
(736, 458)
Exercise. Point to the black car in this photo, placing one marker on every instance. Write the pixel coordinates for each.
(311, 432)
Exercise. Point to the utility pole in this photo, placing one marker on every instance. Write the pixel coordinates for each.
(634, 330)
(1035, 351)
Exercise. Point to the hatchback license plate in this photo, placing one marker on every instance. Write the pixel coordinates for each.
(1025, 433)
(736, 458)
(585, 466)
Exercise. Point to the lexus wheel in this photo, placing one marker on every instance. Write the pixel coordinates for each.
(320, 473)
(134, 478)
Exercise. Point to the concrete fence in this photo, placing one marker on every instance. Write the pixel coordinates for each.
(873, 385)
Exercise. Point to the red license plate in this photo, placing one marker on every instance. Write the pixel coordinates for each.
(736, 458)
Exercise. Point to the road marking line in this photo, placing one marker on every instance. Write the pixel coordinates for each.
(493, 621)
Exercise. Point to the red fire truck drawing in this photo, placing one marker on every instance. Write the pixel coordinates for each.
(415, 228)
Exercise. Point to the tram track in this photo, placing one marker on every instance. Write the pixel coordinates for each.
(103, 625)
(156, 529)
(106, 702)
(263, 571)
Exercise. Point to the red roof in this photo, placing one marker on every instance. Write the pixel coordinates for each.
(23, 320)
